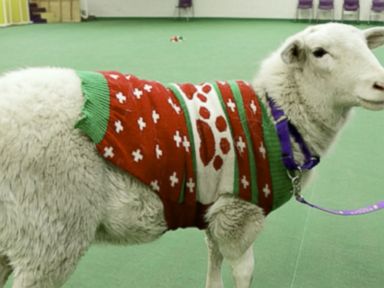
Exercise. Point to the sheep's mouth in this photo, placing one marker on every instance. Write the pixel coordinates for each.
(372, 104)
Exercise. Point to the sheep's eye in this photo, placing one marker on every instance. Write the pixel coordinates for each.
(319, 52)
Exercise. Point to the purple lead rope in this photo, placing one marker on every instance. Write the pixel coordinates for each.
(285, 131)
(360, 211)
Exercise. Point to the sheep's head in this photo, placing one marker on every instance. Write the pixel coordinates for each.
(336, 59)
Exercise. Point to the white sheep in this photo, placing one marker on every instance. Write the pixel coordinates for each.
(57, 196)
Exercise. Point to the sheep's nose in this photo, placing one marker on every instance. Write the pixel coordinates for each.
(378, 86)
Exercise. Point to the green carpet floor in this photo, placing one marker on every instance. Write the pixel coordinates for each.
(300, 247)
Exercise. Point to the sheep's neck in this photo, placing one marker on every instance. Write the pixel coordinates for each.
(317, 127)
(318, 123)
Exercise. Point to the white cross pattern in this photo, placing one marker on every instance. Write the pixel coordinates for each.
(186, 144)
(118, 126)
(240, 144)
(155, 185)
(174, 106)
(245, 182)
(177, 138)
(231, 105)
(174, 180)
(121, 97)
(114, 76)
(148, 88)
(253, 107)
(137, 156)
(191, 185)
(138, 93)
(108, 152)
(158, 151)
(141, 123)
(262, 150)
(266, 190)
(155, 116)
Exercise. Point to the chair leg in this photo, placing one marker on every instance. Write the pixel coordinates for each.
(313, 14)
(310, 15)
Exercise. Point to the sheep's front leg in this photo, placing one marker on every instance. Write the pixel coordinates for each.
(233, 226)
(242, 269)
(215, 259)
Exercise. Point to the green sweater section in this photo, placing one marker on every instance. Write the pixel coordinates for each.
(281, 184)
(95, 113)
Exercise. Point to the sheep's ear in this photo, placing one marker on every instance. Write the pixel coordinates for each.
(374, 36)
(293, 53)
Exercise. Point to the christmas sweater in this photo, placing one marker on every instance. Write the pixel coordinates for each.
(189, 143)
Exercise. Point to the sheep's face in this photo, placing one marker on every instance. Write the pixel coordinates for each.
(336, 59)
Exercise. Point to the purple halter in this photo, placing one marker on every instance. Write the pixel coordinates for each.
(286, 130)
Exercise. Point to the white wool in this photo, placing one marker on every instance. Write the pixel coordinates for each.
(57, 195)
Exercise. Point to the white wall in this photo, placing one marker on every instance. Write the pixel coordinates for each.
(279, 9)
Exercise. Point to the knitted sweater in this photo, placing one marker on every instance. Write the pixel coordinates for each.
(189, 143)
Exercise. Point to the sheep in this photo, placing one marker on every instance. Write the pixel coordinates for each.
(58, 196)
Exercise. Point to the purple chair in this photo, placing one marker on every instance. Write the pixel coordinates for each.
(377, 9)
(351, 8)
(185, 6)
(304, 5)
(326, 7)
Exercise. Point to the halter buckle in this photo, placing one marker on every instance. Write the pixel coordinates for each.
(295, 177)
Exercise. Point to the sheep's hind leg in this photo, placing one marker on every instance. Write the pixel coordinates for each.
(233, 226)
(5, 270)
(51, 271)
(49, 258)
(26, 280)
